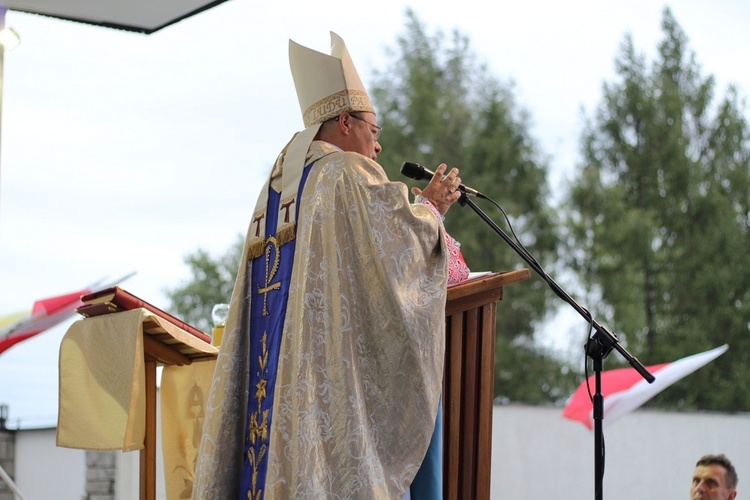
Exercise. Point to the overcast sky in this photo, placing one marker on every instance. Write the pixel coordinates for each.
(124, 152)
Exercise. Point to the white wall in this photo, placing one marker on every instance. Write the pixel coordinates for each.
(538, 454)
(44, 471)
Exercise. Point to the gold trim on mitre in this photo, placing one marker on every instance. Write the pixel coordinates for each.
(326, 85)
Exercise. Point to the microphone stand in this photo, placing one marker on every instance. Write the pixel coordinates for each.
(598, 346)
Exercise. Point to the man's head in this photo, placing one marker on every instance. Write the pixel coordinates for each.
(714, 478)
(353, 131)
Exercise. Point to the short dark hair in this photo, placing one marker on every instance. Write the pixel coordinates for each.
(722, 460)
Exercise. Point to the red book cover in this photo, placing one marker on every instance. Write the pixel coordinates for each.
(115, 299)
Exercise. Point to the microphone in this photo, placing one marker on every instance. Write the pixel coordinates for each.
(420, 173)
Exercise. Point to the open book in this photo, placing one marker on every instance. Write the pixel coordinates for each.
(472, 276)
(115, 299)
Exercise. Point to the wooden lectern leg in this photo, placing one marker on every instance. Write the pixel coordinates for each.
(486, 386)
(148, 454)
(468, 393)
(452, 410)
(468, 384)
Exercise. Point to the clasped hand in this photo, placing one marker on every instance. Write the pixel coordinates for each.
(442, 190)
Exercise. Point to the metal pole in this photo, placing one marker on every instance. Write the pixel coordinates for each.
(5, 477)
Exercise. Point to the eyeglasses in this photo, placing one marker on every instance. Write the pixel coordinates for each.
(378, 130)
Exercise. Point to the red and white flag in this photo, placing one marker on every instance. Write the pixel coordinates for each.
(625, 389)
(45, 314)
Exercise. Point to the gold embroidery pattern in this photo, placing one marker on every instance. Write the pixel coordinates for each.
(257, 433)
(335, 104)
(284, 235)
(271, 248)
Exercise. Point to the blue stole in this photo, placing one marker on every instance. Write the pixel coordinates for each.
(269, 291)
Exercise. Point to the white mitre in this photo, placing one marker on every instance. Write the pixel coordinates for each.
(326, 87)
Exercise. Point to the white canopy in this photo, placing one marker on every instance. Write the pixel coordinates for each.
(143, 16)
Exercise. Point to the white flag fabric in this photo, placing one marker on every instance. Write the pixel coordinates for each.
(625, 389)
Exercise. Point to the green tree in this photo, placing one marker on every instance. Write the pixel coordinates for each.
(437, 103)
(211, 283)
(659, 218)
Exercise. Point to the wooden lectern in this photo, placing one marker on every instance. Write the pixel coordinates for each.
(162, 347)
(468, 384)
(97, 338)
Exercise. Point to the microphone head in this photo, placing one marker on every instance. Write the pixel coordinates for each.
(415, 171)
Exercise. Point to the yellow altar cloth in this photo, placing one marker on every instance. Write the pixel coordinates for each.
(105, 391)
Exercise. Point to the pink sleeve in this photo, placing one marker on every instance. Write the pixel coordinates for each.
(457, 269)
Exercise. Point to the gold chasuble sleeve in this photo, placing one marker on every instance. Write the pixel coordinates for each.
(361, 357)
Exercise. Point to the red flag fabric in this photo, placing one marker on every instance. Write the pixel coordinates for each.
(45, 314)
(625, 389)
